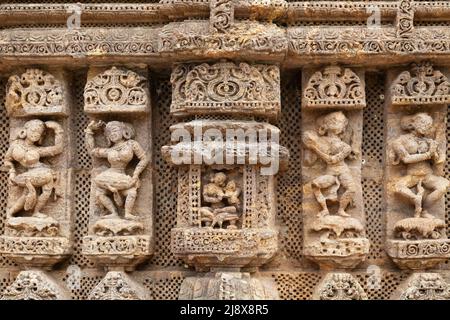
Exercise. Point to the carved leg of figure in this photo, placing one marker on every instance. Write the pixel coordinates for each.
(439, 185)
(131, 195)
(17, 206)
(318, 184)
(347, 197)
(31, 196)
(403, 187)
(106, 202)
(42, 200)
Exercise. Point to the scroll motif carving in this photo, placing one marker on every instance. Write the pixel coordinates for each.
(421, 86)
(34, 285)
(426, 286)
(221, 15)
(340, 286)
(35, 92)
(405, 18)
(118, 286)
(116, 90)
(225, 87)
(334, 87)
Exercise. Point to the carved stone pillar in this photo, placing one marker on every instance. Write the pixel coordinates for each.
(119, 141)
(414, 162)
(226, 178)
(333, 214)
(38, 230)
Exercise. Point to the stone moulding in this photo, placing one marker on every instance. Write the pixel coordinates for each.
(126, 251)
(226, 88)
(335, 86)
(35, 92)
(422, 85)
(420, 254)
(340, 253)
(219, 247)
(116, 90)
(35, 251)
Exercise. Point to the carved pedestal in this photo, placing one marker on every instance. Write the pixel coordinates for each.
(226, 175)
(415, 156)
(332, 197)
(38, 225)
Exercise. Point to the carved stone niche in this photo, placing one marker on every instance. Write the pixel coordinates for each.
(226, 87)
(226, 206)
(415, 187)
(227, 286)
(121, 221)
(333, 87)
(339, 286)
(36, 92)
(423, 286)
(422, 84)
(34, 285)
(333, 213)
(38, 226)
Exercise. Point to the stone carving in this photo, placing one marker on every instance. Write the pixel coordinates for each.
(422, 85)
(114, 188)
(421, 239)
(118, 285)
(334, 87)
(34, 285)
(405, 18)
(225, 87)
(227, 286)
(35, 92)
(341, 237)
(116, 90)
(221, 15)
(426, 286)
(339, 286)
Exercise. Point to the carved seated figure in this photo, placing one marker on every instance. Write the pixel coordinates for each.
(37, 180)
(224, 202)
(114, 183)
(328, 145)
(420, 186)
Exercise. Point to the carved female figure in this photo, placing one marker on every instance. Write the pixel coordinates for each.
(27, 152)
(329, 146)
(418, 152)
(115, 181)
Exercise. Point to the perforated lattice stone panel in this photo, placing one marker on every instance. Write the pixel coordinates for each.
(166, 288)
(289, 186)
(296, 286)
(385, 288)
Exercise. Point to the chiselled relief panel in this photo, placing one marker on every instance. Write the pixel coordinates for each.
(415, 157)
(118, 139)
(38, 224)
(334, 232)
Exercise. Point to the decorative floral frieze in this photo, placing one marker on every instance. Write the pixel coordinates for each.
(117, 285)
(35, 92)
(34, 285)
(422, 85)
(333, 87)
(116, 90)
(404, 21)
(227, 286)
(426, 286)
(221, 15)
(339, 286)
(225, 88)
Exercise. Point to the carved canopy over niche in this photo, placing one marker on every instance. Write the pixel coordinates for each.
(335, 87)
(116, 90)
(226, 88)
(35, 92)
(339, 286)
(426, 286)
(421, 85)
